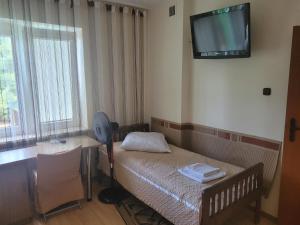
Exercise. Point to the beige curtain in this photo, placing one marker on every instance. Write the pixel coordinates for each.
(118, 49)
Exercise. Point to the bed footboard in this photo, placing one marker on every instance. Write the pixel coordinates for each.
(223, 200)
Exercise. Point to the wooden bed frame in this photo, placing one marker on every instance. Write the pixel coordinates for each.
(237, 191)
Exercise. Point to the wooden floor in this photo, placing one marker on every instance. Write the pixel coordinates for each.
(91, 213)
(96, 213)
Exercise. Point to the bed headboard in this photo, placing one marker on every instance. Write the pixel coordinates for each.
(234, 148)
(122, 131)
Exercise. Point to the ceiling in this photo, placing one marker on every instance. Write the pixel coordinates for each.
(140, 3)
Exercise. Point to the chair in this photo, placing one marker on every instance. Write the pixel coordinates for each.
(57, 181)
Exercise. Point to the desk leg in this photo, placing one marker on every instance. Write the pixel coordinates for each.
(89, 175)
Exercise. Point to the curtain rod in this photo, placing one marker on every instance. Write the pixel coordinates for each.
(121, 4)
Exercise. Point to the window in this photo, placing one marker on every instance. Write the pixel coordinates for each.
(54, 79)
(9, 108)
(41, 74)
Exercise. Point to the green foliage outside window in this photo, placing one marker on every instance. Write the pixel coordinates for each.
(8, 89)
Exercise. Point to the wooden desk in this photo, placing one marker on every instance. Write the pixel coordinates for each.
(23, 154)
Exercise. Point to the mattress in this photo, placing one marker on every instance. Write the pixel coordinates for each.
(154, 179)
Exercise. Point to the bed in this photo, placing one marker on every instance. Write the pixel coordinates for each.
(153, 178)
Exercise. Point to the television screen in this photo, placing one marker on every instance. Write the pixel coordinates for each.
(222, 33)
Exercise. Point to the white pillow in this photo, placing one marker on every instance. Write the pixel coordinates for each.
(145, 142)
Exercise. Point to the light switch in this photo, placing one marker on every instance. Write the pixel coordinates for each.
(267, 91)
(172, 10)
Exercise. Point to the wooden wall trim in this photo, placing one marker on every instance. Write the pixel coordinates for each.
(228, 135)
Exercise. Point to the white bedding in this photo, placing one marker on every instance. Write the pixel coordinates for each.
(154, 179)
(145, 142)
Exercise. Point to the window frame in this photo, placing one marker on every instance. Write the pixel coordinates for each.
(61, 126)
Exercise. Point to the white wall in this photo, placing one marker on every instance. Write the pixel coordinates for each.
(225, 93)
(228, 93)
(165, 61)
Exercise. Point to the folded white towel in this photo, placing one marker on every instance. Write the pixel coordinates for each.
(199, 176)
(202, 168)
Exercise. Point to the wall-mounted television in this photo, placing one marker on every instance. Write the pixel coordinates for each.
(222, 33)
